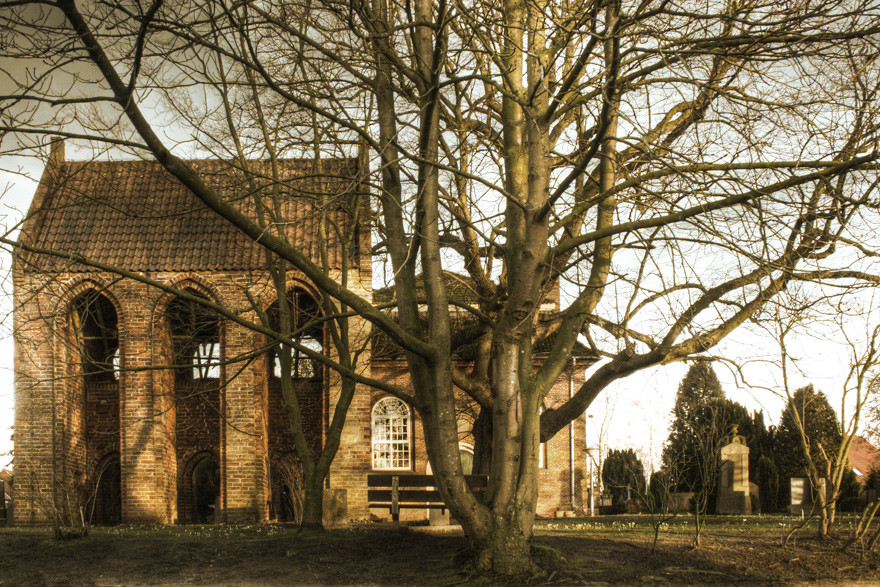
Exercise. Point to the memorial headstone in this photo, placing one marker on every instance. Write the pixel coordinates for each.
(799, 495)
(802, 495)
(733, 484)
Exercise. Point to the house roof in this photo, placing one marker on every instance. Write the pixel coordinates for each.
(462, 291)
(136, 215)
(384, 349)
(863, 456)
(459, 288)
(6, 477)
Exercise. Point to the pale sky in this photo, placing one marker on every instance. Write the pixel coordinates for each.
(17, 190)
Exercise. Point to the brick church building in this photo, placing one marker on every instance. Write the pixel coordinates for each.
(147, 407)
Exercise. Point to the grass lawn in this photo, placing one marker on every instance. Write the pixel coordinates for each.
(596, 551)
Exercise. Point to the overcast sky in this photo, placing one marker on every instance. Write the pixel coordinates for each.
(17, 189)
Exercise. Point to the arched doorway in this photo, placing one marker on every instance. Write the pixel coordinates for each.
(106, 509)
(288, 490)
(206, 490)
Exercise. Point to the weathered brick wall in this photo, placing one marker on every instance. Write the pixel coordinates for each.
(554, 489)
(147, 405)
(159, 433)
(161, 385)
(310, 397)
(243, 461)
(159, 423)
(34, 408)
(349, 470)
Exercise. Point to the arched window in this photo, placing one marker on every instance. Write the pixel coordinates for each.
(95, 407)
(195, 334)
(96, 326)
(304, 326)
(466, 454)
(391, 424)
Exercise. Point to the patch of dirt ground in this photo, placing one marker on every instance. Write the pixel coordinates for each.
(267, 556)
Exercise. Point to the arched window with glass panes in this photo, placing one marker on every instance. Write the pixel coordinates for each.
(392, 435)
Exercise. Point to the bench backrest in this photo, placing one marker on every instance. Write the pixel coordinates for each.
(413, 488)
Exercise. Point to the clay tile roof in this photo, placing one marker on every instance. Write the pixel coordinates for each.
(863, 456)
(135, 215)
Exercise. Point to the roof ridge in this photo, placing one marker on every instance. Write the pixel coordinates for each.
(135, 214)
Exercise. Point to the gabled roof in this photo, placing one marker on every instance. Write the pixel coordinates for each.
(135, 215)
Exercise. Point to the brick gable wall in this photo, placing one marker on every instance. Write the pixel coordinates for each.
(155, 423)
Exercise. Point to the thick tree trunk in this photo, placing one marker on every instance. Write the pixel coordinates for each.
(508, 549)
(483, 442)
(313, 504)
(824, 519)
(513, 484)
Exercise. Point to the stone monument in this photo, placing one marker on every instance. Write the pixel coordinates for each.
(733, 484)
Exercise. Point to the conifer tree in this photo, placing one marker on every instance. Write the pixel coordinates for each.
(822, 433)
(622, 469)
(697, 391)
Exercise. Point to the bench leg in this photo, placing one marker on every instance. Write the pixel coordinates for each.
(395, 502)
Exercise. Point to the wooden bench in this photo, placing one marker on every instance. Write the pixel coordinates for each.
(412, 491)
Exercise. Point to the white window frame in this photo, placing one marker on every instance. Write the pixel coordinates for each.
(302, 366)
(542, 448)
(206, 360)
(391, 435)
(115, 362)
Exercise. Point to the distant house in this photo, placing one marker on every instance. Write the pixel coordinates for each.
(157, 410)
(863, 456)
(6, 495)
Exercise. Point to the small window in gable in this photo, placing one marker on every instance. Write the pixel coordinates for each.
(391, 435)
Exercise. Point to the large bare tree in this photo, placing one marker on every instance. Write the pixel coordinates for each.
(670, 166)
